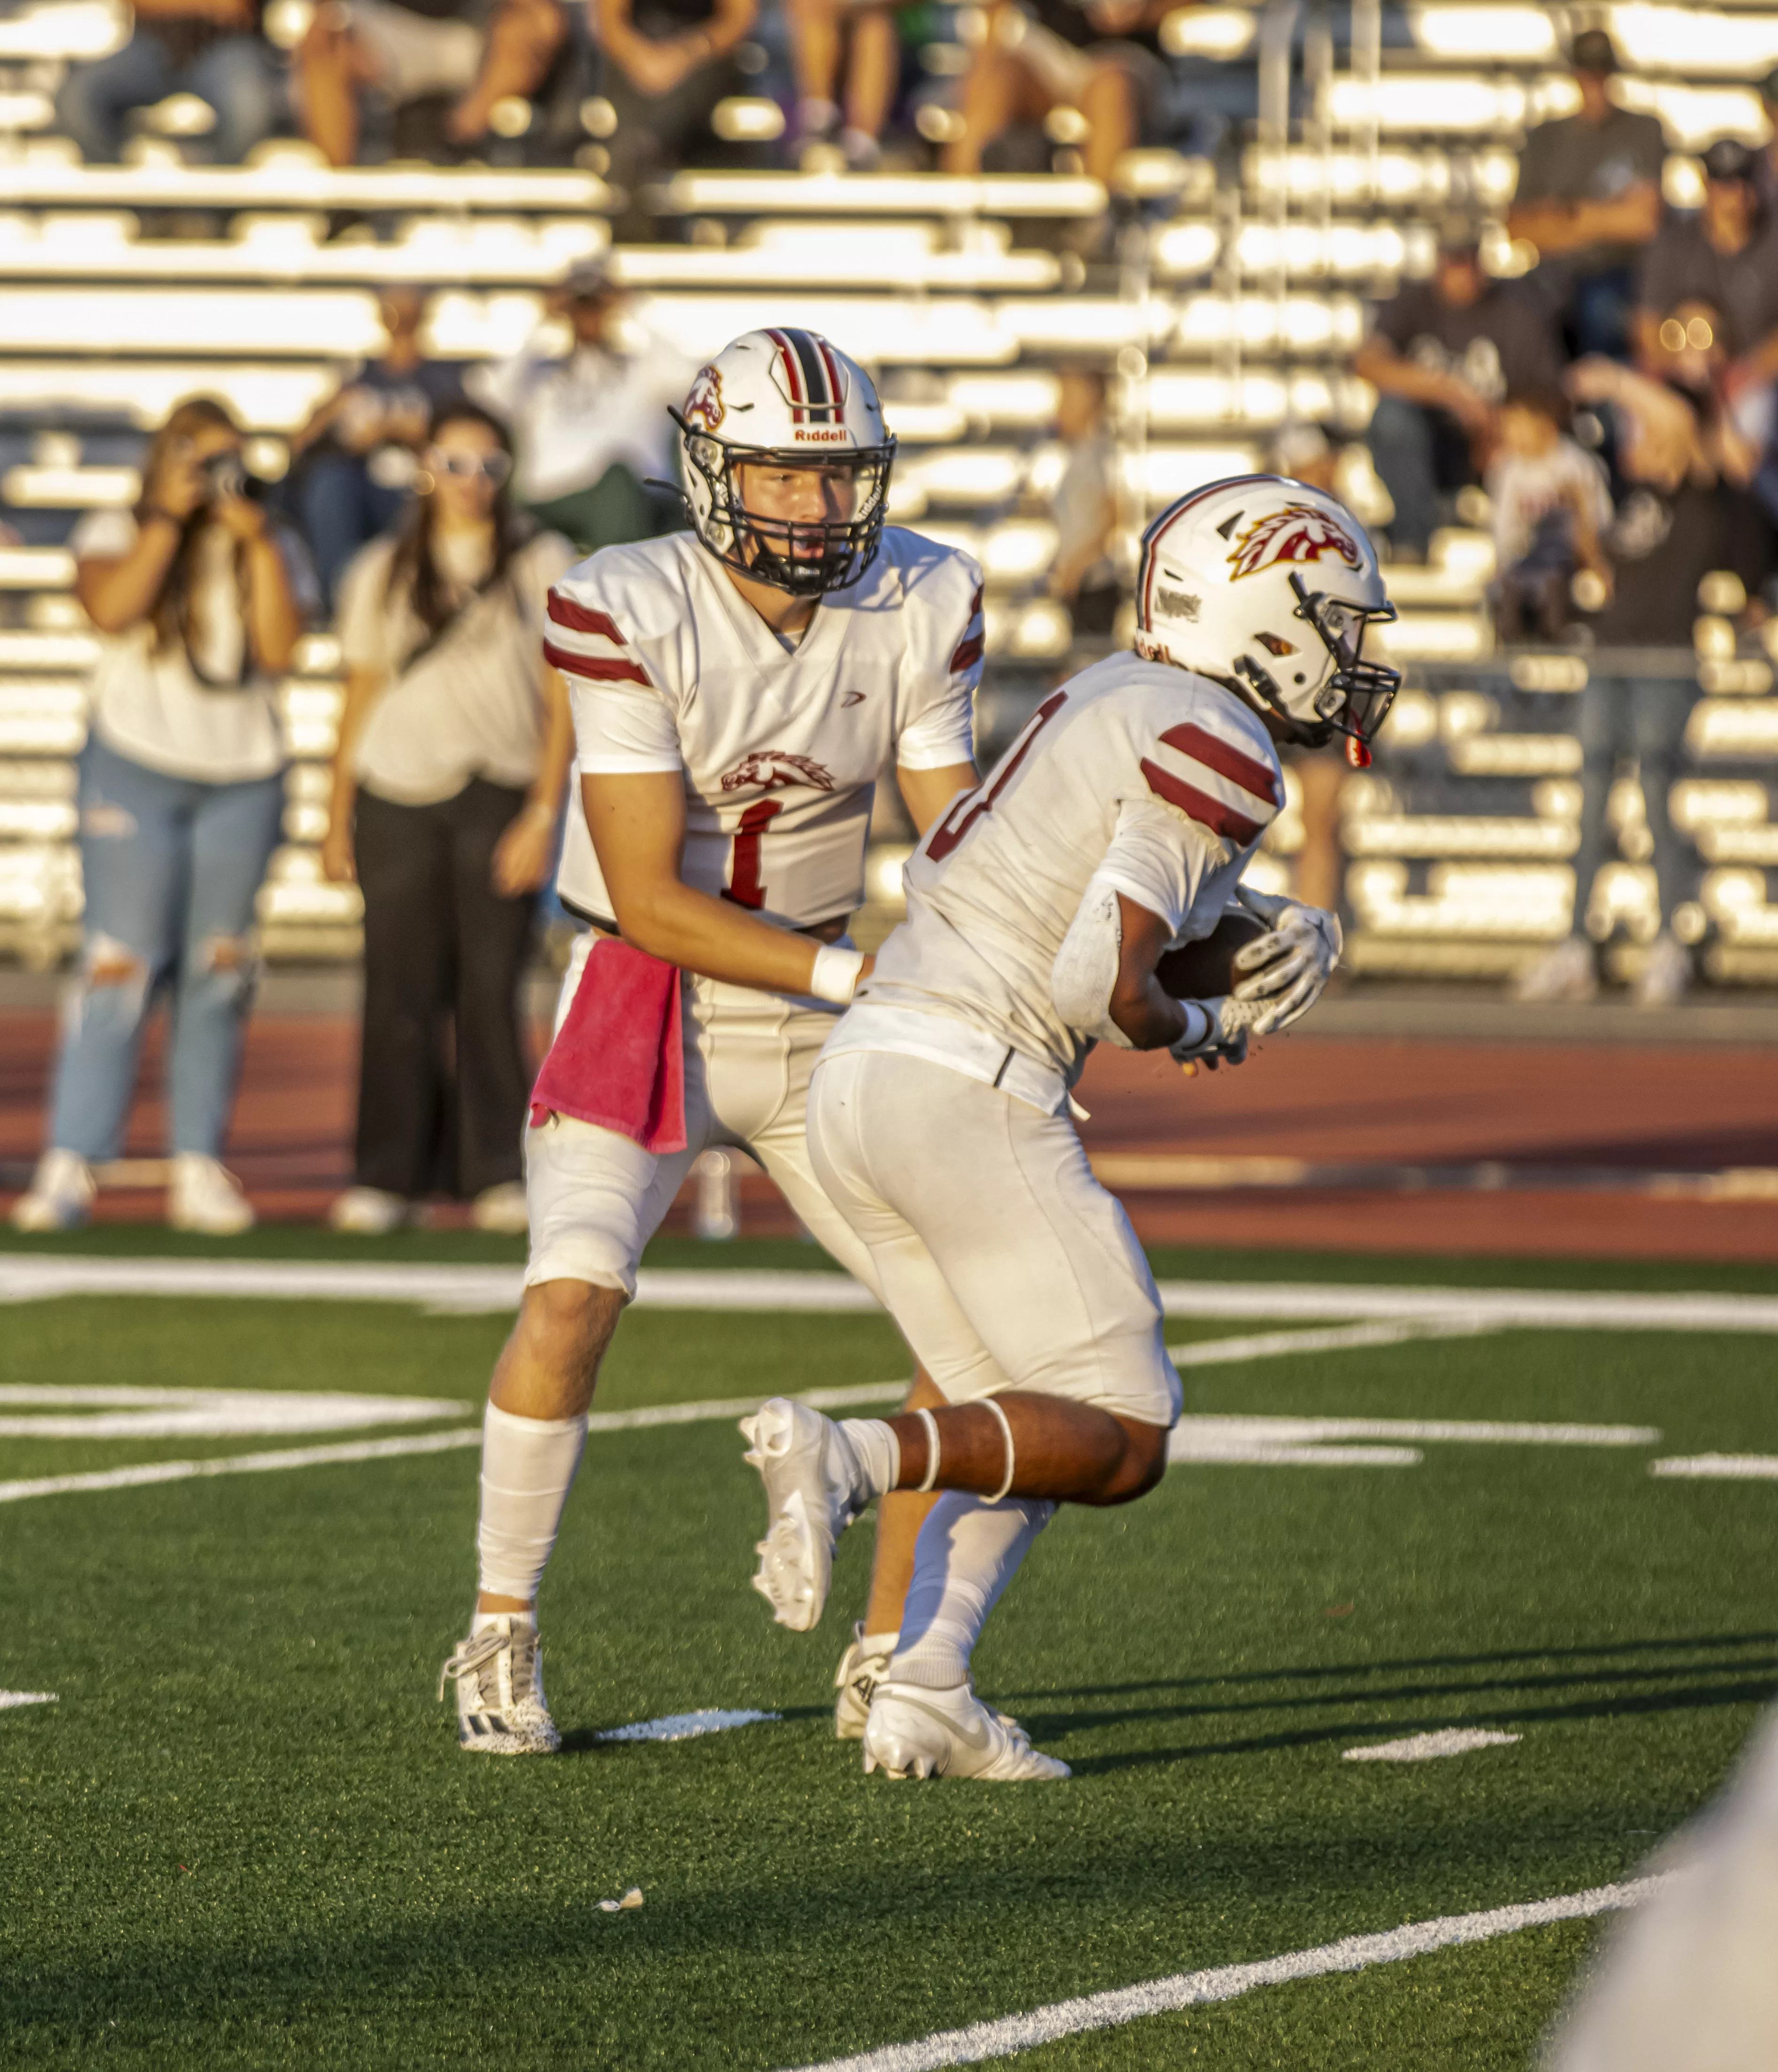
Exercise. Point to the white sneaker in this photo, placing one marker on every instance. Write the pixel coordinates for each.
(814, 1490)
(61, 1194)
(368, 1212)
(501, 1709)
(915, 1732)
(1568, 972)
(205, 1197)
(862, 1667)
(502, 1208)
(1666, 974)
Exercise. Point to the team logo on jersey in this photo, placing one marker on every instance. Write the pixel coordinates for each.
(704, 405)
(773, 769)
(1298, 533)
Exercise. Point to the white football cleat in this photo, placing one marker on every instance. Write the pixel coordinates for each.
(367, 1212)
(814, 1490)
(1666, 974)
(61, 1195)
(862, 1667)
(205, 1197)
(916, 1732)
(1568, 971)
(501, 1709)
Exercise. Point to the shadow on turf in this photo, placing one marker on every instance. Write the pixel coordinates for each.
(1618, 1692)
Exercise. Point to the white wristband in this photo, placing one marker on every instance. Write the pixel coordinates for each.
(836, 974)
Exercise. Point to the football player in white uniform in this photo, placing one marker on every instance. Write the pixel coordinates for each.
(1116, 827)
(736, 691)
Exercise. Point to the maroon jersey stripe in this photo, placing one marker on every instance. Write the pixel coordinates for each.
(1200, 806)
(1215, 754)
(596, 669)
(582, 618)
(967, 655)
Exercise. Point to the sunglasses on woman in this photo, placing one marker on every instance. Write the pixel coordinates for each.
(494, 467)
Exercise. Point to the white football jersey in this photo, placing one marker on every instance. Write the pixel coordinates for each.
(997, 882)
(669, 667)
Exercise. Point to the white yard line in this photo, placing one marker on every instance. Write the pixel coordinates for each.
(428, 1442)
(986, 2040)
(1428, 1748)
(9, 1699)
(73, 1412)
(36, 1276)
(1719, 1467)
(1335, 1339)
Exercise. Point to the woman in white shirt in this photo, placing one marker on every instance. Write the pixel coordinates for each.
(448, 783)
(197, 606)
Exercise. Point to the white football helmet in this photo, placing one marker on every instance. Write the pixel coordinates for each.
(1268, 585)
(786, 398)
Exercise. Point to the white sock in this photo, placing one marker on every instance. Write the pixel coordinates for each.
(878, 1451)
(968, 1551)
(527, 1468)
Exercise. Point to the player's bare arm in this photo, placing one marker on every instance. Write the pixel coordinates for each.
(638, 826)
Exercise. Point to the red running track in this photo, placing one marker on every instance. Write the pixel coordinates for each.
(1633, 1106)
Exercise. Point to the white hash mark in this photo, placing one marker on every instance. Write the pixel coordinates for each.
(8, 1698)
(683, 1726)
(1425, 1748)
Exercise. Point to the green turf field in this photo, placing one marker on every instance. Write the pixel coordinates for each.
(244, 1835)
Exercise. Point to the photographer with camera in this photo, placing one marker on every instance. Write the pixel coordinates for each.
(198, 605)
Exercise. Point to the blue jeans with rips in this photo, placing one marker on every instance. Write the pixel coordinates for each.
(1644, 716)
(238, 75)
(171, 867)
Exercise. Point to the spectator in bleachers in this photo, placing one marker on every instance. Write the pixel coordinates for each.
(1551, 506)
(357, 455)
(467, 55)
(1725, 256)
(1084, 575)
(1101, 57)
(212, 48)
(198, 602)
(822, 33)
(1443, 355)
(1589, 199)
(448, 782)
(1685, 516)
(590, 425)
(668, 62)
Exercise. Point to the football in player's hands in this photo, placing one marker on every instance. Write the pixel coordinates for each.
(1210, 967)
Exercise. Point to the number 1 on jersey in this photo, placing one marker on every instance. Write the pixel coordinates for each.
(744, 886)
(970, 809)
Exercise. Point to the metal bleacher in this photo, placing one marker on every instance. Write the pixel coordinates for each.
(1229, 308)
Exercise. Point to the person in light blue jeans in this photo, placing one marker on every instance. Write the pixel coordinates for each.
(181, 802)
(171, 867)
(217, 53)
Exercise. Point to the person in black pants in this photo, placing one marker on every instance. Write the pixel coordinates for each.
(452, 759)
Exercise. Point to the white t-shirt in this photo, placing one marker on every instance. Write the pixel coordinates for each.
(1165, 777)
(670, 668)
(470, 706)
(574, 416)
(1524, 488)
(154, 707)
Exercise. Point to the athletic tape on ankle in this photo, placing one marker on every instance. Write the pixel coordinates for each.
(988, 1402)
(931, 1423)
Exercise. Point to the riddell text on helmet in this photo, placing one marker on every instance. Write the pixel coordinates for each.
(804, 434)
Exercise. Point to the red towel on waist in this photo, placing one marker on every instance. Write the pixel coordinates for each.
(619, 1060)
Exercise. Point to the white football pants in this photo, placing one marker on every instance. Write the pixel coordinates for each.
(596, 1198)
(1003, 1260)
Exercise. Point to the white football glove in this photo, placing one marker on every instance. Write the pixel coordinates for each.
(1225, 1041)
(1288, 967)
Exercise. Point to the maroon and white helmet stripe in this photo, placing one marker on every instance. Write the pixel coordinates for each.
(811, 378)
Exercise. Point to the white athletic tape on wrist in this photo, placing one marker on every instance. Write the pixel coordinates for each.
(931, 1423)
(988, 1404)
(836, 974)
